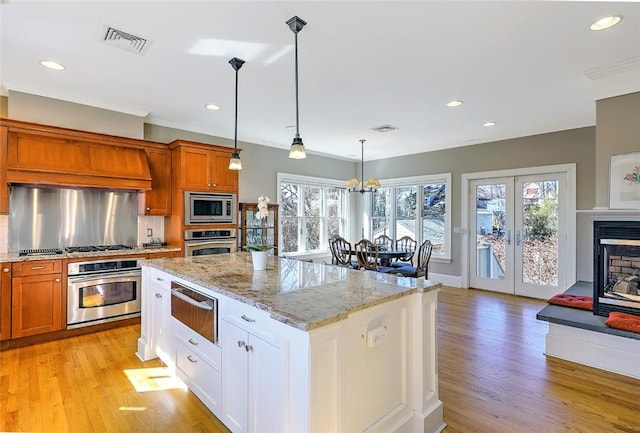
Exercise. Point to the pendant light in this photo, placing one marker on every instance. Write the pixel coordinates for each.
(297, 147)
(235, 163)
(363, 186)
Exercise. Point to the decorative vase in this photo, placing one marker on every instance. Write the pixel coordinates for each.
(259, 260)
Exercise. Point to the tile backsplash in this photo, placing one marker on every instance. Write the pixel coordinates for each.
(150, 229)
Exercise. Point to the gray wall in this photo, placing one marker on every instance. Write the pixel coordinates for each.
(572, 146)
(618, 131)
(54, 112)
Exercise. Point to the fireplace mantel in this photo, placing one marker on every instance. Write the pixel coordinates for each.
(606, 214)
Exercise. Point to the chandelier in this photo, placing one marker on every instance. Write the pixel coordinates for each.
(362, 186)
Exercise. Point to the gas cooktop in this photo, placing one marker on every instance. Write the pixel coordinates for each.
(82, 249)
(96, 248)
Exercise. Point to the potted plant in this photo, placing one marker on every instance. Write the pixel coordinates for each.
(259, 252)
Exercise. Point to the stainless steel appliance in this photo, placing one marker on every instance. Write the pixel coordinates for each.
(102, 291)
(45, 217)
(196, 310)
(206, 242)
(207, 208)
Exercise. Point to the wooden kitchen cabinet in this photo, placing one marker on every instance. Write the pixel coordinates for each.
(202, 168)
(36, 298)
(4, 188)
(5, 301)
(157, 201)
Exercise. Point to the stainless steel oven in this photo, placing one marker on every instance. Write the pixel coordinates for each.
(102, 291)
(196, 310)
(206, 242)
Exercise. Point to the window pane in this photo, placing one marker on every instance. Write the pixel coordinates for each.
(313, 228)
(289, 197)
(335, 227)
(434, 213)
(312, 196)
(289, 228)
(333, 202)
(380, 223)
(406, 211)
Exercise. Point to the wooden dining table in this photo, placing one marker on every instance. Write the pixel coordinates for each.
(387, 255)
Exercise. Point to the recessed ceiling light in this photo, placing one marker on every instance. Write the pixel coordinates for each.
(606, 22)
(487, 124)
(212, 107)
(51, 65)
(454, 103)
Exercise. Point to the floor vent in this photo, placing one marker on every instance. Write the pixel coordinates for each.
(384, 128)
(126, 41)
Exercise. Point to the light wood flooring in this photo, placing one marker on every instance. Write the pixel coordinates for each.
(493, 377)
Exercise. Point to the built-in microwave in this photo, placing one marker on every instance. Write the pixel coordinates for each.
(207, 208)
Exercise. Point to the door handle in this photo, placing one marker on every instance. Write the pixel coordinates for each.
(508, 237)
(517, 237)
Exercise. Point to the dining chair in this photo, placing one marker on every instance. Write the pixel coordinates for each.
(342, 249)
(408, 244)
(384, 241)
(332, 249)
(422, 268)
(367, 255)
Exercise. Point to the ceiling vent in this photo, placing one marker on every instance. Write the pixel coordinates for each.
(384, 128)
(126, 41)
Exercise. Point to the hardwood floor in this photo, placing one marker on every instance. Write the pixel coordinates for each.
(493, 377)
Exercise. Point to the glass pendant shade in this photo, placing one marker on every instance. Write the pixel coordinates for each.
(235, 163)
(297, 149)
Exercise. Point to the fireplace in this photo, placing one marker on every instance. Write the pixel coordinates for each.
(616, 267)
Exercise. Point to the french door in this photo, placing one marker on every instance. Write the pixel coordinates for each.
(518, 241)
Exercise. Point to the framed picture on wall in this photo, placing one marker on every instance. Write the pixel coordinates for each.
(624, 181)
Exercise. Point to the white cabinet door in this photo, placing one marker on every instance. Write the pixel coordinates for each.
(252, 382)
(266, 396)
(235, 380)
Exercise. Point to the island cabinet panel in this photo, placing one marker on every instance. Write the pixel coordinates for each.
(36, 298)
(5, 301)
(157, 201)
(158, 336)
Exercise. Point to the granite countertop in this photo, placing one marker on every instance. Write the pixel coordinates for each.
(301, 294)
(14, 257)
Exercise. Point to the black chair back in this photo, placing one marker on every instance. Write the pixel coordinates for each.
(408, 244)
(367, 255)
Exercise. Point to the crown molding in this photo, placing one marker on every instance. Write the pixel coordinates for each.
(616, 79)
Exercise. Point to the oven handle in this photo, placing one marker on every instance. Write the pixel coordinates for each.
(103, 276)
(203, 305)
(216, 242)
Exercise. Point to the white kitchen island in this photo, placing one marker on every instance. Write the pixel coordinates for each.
(302, 347)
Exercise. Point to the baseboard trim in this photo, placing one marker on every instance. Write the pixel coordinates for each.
(446, 280)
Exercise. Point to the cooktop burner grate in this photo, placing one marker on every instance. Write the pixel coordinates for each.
(40, 252)
(94, 248)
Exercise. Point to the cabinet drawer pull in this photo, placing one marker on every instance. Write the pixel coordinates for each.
(35, 268)
(158, 296)
(192, 341)
(57, 280)
(248, 319)
(241, 344)
(195, 361)
(159, 279)
(5, 270)
(248, 348)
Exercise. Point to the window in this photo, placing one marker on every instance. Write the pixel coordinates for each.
(311, 211)
(418, 207)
